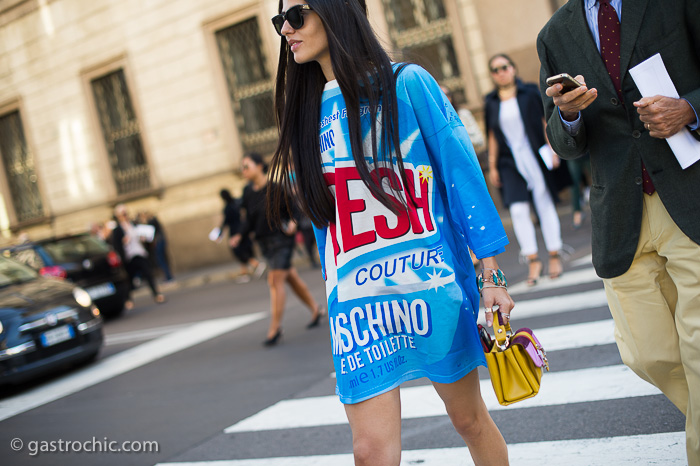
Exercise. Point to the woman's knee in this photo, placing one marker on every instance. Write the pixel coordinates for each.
(374, 450)
(276, 278)
(520, 211)
(470, 425)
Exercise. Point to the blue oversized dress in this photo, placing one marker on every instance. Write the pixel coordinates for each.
(402, 297)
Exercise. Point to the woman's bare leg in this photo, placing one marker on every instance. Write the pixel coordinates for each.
(472, 421)
(302, 291)
(376, 430)
(276, 280)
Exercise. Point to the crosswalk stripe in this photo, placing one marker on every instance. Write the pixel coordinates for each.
(585, 260)
(665, 448)
(141, 335)
(123, 362)
(574, 277)
(525, 308)
(577, 335)
(558, 388)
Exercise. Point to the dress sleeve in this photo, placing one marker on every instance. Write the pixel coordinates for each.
(468, 203)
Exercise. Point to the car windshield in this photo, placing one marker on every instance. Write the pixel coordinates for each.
(75, 248)
(12, 273)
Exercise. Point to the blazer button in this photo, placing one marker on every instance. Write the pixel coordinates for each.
(636, 134)
(614, 101)
(638, 180)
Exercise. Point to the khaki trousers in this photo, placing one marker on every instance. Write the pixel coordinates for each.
(656, 308)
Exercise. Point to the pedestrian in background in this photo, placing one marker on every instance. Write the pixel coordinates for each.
(159, 245)
(243, 250)
(515, 128)
(385, 170)
(129, 245)
(277, 246)
(308, 238)
(476, 136)
(644, 205)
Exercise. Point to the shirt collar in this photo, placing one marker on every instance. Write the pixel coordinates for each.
(591, 3)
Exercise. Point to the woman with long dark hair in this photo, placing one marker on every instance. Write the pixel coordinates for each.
(386, 172)
(276, 243)
(516, 134)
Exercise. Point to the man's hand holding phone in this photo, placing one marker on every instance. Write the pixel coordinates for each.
(570, 94)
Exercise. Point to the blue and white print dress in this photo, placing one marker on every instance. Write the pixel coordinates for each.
(402, 297)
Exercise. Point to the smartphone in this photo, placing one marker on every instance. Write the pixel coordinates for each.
(486, 340)
(565, 80)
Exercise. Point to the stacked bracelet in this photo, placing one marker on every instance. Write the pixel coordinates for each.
(495, 278)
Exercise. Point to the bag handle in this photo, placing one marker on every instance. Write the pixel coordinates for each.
(501, 331)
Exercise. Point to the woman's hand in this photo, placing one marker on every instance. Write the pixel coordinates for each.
(290, 228)
(496, 296)
(235, 240)
(556, 161)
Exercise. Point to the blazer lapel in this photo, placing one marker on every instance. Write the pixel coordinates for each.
(632, 15)
(584, 44)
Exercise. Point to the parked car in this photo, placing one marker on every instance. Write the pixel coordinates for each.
(84, 260)
(45, 325)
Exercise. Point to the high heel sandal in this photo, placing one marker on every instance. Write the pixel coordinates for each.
(555, 266)
(272, 341)
(534, 271)
(316, 321)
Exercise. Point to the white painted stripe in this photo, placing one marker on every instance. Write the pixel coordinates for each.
(585, 260)
(666, 448)
(141, 335)
(558, 388)
(575, 277)
(525, 308)
(123, 362)
(577, 335)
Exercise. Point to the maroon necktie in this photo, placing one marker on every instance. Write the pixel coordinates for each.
(609, 33)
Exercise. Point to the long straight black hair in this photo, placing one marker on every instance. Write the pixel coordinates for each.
(365, 76)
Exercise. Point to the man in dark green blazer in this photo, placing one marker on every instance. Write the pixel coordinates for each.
(645, 246)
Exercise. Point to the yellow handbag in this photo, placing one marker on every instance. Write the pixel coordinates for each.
(515, 361)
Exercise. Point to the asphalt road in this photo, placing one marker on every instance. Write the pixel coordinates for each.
(192, 377)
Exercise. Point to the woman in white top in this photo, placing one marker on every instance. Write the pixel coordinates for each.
(517, 166)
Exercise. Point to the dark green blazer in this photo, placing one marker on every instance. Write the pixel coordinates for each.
(612, 131)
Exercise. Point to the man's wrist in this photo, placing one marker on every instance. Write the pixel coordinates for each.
(692, 116)
(569, 117)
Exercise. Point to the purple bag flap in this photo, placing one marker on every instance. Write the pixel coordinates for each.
(526, 343)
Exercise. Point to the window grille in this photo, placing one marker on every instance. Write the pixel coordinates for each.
(422, 32)
(20, 172)
(250, 85)
(122, 136)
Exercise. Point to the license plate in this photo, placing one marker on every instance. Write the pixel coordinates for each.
(57, 335)
(100, 291)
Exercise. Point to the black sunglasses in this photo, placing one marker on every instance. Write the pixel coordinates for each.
(499, 68)
(294, 16)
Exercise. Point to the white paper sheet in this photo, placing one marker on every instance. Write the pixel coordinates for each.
(147, 232)
(214, 234)
(651, 78)
(547, 155)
